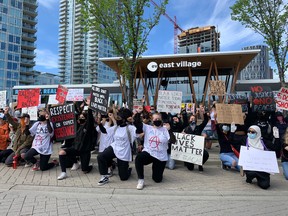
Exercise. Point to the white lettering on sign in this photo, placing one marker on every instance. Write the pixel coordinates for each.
(153, 66)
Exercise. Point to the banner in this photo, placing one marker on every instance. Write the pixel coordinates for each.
(217, 87)
(239, 99)
(228, 113)
(169, 101)
(28, 98)
(2, 99)
(282, 99)
(32, 111)
(188, 148)
(61, 94)
(64, 121)
(99, 99)
(258, 160)
(75, 95)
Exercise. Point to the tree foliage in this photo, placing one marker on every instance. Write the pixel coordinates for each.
(127, 24)
(269, 19)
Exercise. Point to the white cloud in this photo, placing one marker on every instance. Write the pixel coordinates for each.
(50, 4)
(46, 59)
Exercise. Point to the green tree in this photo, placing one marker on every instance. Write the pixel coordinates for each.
(127, 24)
(269, 19)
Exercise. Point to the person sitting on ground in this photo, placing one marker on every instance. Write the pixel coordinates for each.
(208, 133)
(170, 164)
(23, 139)
(4, 133)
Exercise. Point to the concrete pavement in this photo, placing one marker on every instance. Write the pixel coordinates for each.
(182, 192)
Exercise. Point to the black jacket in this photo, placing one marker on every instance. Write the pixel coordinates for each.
(198, 128)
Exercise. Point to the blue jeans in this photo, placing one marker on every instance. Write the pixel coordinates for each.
(170, 164)
(228, 158)
(285, 169)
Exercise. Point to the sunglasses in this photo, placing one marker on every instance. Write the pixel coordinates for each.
(252, 132)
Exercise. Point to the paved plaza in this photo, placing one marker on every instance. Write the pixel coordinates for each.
(182, 192)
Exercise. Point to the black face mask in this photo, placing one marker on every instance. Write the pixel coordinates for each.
(82, 121)
(157, 123)
(119, 122)
(41, 118)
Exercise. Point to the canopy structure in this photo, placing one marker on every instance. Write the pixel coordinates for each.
(210, 65)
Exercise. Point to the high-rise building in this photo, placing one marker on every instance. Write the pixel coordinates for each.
(79, 50)
(43, 78)
(17, 43)
(259, 67)
(199, 39)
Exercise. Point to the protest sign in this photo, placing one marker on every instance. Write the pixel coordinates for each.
(61, 94)
(52, 100)
(2, 99)
(75, 95)
(189, 148)
(217, 87)
(258, 160)
(137, 103)
(228, 113)
(28, 98)
(64, 122)
(239, 99)
(32, 111)
(99, 99)
(169, 101)
(263, 101)
(282, 99)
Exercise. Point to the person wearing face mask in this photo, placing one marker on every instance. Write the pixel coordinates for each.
(121, 147)
(4, 133)
(43, 131)
(81, 145)
(255, 140)
(156, 138)
(195, 129)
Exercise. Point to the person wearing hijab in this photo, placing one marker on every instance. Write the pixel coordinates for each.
(255, 140)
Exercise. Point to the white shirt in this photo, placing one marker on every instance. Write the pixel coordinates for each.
(42, 140)
(156, 141)
(121, 143)
(105, 140)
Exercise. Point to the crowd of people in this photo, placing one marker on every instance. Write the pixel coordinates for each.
(121, 133)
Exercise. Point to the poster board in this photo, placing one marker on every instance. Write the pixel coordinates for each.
(239, 99)
(263, 101)
(258, 160)
(217, 87)
(52, 100)
(61, 94)
(228, 113)
(64, 121)
(169, 101)
(32, 111)
(2, 99)
(75, 95)
(282, 99)
(137, 103)
(188, 148)
(28, 98)
(99, 99)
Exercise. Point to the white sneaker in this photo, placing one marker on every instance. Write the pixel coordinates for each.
(103, 180)
(140, 184)
(28, 164)
(63, 175)
(75, 166)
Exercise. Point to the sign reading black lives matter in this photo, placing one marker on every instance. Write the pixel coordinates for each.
(188, 148)
(64, 121)
(99, 99)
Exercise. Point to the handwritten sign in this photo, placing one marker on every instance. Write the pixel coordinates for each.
(137, 103)
(263, 101)
(189, 148)
(169, 101)
(99, 99)
(239, 99)
(75, 95)
(2, 99)
(28, 98)
(228, 113)
(258, 160)
(217, 87)
(52, 100)
(64, 121)
(282, 99)
(61, 94)
(32, 111)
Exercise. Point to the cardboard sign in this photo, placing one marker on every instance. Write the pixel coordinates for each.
(2, 99)
(263, 101)
(137, 103)
(52, 100)
(61, 94)
(64, 121)
(75, 95)
(217, 87)
(28, 98)
(258, 160)
(99, 99)
(169, 101)
(189, 148)
(239, 99)
(282, 99)
(228, 113)
(32, 111)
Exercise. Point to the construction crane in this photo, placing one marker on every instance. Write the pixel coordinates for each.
(176, 26)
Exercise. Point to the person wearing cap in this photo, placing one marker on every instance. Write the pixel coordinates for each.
(4, 133)
(23, 140)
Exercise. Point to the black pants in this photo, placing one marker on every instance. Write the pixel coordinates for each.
(104, 161)
(71, 155)
(263, 178)
(4, 154)
(190, 166)
(44, 165)
(158, 167)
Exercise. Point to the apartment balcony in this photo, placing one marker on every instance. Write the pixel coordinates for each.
(27, 54)
(26, 72)
(30, 12)
(29, 37)
(30, 20)
(27, 63)
(29, 28)
(28, 45)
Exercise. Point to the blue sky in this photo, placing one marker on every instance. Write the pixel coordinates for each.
(189, 13)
